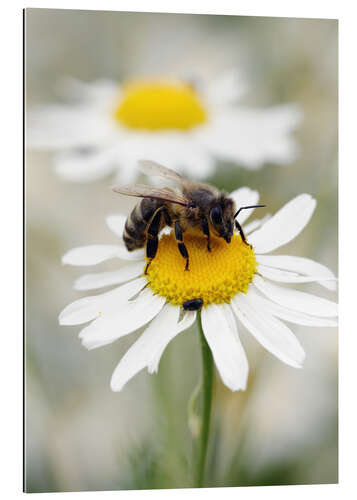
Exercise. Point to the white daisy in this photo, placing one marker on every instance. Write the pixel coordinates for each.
(238, 285)
(108, 127)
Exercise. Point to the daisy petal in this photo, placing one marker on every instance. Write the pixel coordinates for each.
(88, 308)
(57, 127)
(101, 91)
(225, 89)
(77, 166)
(296, 300)
(222, 337)
(185, 323)
(271, 333)
(300, 265)
(295, 317)
(285, 225)
(157, 335)
(287, 276)
(253, 136)
(180, 152)
(255, 224)
(128, 171)
(124, 254)
(243, 197)
(100, 280)
(127, 318)
(90, 255)
(116, 224)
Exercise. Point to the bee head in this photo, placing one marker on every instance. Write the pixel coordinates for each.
(222, 220)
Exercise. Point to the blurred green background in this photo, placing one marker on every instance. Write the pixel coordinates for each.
(79, 434)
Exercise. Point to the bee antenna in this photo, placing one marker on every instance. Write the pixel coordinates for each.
(250, 206)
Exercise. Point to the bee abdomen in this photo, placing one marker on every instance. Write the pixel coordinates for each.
(136, 224)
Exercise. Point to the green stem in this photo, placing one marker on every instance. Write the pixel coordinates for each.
(207, 385)
(194, 421)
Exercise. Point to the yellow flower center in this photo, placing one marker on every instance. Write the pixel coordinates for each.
(214, 277)
(159, 106)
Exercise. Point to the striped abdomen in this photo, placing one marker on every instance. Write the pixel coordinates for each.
(136, 224)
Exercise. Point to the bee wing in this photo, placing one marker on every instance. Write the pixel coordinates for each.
(152, 168)
(143, 191)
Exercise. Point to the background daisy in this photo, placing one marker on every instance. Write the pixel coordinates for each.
(186, 125)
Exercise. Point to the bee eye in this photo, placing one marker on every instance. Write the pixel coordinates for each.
(216, 215)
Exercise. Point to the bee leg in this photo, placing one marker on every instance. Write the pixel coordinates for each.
(152, 238)
(239, 227)
(167, 216)
(151, 249)
(205, 229)
(181, 246)
(193, 305)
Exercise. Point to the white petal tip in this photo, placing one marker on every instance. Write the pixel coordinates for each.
(238, 386)
(77, 285)
(152, 370)
(115, 387)
(66, 260)
(242, 388)
(298, 364)
(308, 198)
(330, 284)
(80, 283)
(61, 321)
(312, 201)
(88, 345)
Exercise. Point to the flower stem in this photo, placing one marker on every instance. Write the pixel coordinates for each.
(207, 385)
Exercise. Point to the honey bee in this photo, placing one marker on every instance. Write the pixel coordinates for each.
(192, 205)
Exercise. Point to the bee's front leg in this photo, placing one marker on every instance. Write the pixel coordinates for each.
(152, 237)
(193, 305)
(205, 229)
(242, 235)
(181, 246)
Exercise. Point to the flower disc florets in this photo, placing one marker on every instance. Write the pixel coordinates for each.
(160, 106)
(214, 276)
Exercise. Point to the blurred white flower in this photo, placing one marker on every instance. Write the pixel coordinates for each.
(235, 281)
(107, 127)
